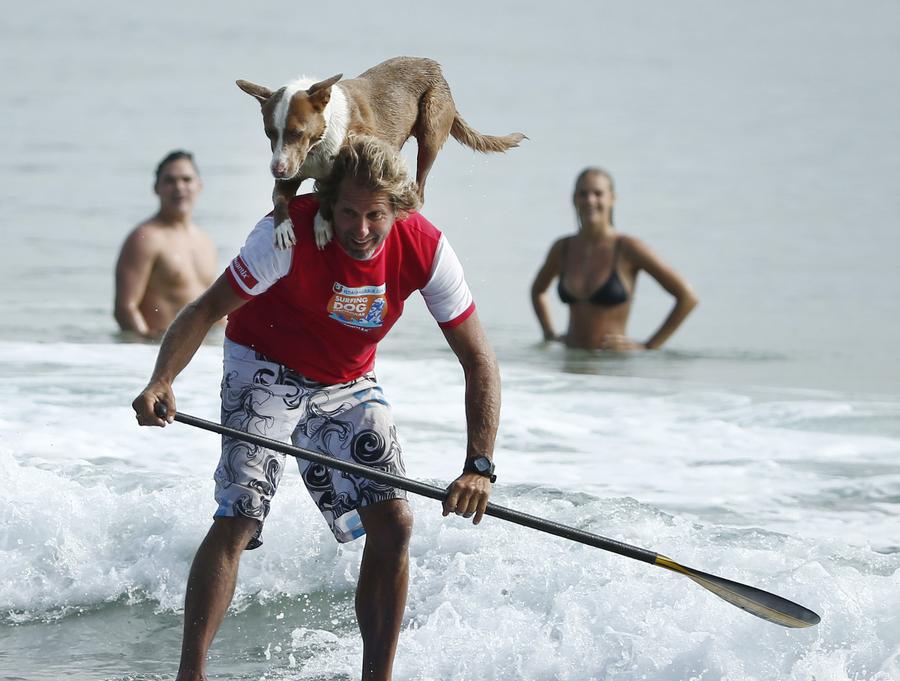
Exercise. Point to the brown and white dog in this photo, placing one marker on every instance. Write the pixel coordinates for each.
(400, 98)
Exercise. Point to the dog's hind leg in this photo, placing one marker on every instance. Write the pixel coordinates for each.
(436, 115)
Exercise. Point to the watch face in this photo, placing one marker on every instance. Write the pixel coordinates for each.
(482, 465)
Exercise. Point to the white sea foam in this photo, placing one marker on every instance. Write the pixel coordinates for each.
(105, 513)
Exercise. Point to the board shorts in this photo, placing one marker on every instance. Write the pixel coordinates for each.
(350, 421)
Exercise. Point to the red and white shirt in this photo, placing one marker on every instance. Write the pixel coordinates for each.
(322, 313)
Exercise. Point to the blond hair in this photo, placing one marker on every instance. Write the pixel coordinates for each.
(376, 166)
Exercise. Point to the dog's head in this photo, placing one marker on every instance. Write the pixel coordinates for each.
(294, 120)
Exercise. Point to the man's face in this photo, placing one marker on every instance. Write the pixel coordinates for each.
(362, 219)
(178, 186)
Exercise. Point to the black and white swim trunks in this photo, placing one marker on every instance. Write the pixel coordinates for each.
(350, 421)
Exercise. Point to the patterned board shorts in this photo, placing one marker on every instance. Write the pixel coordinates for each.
(350, 421)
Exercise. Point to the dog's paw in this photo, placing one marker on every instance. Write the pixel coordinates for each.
(323, 231)
(284, 235)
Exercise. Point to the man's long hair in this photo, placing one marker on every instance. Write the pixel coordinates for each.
(375, 165)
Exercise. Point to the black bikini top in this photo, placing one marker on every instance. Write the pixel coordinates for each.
(611, 292)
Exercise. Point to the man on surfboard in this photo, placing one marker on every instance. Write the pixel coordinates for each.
(303, 326)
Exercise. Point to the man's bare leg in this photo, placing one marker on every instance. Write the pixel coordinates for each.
(210, 589)
(383, 581)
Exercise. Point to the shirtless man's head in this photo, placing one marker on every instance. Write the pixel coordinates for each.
(166, 261)
(177, 184)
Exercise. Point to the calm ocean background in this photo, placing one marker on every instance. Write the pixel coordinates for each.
(755, 146)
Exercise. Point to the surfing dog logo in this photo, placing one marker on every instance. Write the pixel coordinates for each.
(363, 307)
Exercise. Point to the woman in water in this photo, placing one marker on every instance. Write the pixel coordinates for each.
(597, 270)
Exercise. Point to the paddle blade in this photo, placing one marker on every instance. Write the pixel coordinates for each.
(757, 602)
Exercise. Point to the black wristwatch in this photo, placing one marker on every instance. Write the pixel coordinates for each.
(481, 465)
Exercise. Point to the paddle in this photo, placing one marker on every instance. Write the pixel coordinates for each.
(755, 601)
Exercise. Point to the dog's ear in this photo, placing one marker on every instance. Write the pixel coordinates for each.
(258, 92)
(320, 93)
(323, 84)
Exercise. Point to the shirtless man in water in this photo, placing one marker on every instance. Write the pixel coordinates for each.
(167, 261)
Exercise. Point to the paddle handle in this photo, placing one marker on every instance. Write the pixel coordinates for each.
(416, 487)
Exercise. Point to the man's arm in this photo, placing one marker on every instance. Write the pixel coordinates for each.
(178, 346)
(468, 494)
(133, 268)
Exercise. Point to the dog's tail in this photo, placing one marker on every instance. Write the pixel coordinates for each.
(465, 134)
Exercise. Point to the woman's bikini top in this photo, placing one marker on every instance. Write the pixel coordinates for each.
(611, 292)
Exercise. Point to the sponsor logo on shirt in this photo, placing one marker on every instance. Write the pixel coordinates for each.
(243, 272)
(362, 307)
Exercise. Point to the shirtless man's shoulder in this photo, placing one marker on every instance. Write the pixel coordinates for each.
(147, 238)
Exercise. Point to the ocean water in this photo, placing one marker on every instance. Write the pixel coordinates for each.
(755, 147)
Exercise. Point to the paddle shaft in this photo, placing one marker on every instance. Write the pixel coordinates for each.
(757, 602)
(421, 488)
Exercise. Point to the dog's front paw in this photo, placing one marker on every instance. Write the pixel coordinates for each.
(323, 231)
(284, 235)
